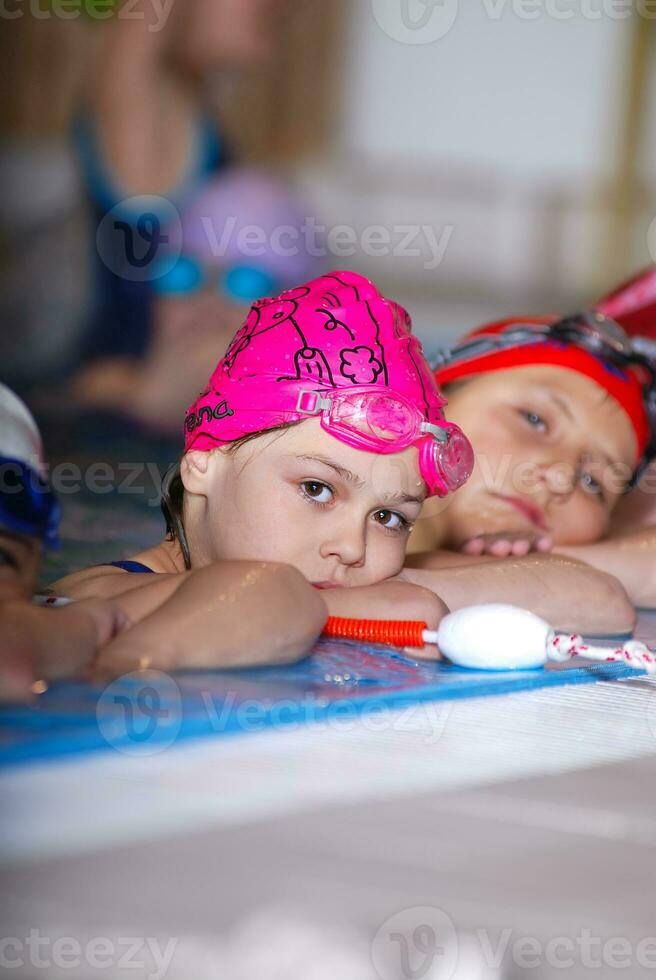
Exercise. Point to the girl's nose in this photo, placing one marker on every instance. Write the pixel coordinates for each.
(346, 543)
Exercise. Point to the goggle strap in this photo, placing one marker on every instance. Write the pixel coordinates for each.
(317, 403)
(438, 433)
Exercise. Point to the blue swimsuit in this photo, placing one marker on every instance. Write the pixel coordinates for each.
(135, 567)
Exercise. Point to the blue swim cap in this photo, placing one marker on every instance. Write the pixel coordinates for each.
(27, 502)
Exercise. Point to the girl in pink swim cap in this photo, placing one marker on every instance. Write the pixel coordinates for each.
(320, 434)
(317, 439)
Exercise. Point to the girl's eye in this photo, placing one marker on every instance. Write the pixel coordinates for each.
(535, 421)
(319, 492)
(591, 485)
(391, 520)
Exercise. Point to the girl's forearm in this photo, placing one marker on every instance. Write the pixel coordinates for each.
(567, 593)
(631, 558)
(228, 614)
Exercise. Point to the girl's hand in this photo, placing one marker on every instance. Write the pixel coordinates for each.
(511, 544)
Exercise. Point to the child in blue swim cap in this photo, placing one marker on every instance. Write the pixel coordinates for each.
(37, 645)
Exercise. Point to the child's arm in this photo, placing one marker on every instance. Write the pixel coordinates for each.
(566, 592)
(630, 557)
(50, 644)
(229, 614)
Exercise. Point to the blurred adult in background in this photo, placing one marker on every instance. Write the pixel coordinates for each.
(239, 239)
(149, 98)
(147, 145)
(44, 251)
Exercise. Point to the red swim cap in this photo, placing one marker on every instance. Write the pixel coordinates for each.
(624, 385)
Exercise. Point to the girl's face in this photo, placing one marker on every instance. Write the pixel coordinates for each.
(226, 32)
(340, 515)
(20, 559)
(553, 454)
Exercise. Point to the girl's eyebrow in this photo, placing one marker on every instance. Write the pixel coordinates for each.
(395, 496)
(345, 474)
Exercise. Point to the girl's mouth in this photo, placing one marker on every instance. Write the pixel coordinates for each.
(529, 510)
(325, 585)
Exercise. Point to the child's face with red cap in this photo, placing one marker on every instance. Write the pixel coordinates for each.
(553, 454)
(340, 515)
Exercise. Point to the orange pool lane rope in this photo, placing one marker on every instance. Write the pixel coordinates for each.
(393, 633)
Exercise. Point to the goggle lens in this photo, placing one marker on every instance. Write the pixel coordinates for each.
(377, 417)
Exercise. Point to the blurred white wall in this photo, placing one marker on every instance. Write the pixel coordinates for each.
(529, 98)
(505, 130)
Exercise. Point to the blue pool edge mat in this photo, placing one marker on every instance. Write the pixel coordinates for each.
(146, 716)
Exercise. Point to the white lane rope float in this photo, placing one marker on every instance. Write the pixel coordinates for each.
(503, 637)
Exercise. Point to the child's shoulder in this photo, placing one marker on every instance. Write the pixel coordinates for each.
(100, 581)
(111, 579)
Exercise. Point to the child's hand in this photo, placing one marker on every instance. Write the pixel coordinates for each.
(106, 619)
(506, 545)
(41, 645)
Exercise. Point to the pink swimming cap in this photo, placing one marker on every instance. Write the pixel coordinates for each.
(332, 340)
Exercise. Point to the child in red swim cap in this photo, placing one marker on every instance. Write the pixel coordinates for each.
(562, 416)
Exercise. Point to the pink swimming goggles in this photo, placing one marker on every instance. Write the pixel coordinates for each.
(385, 422)
(334, 349)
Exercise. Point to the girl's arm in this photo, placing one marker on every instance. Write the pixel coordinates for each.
(630, 557)
(229, 614)
(569, 594)
(138, 595)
